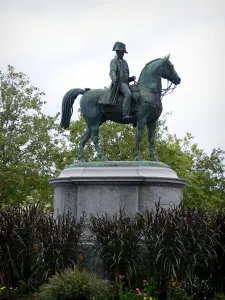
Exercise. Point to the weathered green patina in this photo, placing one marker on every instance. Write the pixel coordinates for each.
(119, 164)
(146, 107)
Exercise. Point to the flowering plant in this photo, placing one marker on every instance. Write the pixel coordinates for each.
(147, 290)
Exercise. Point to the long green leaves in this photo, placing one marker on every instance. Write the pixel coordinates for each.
(72, 284)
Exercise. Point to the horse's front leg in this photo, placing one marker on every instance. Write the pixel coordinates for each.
(95, 140)
(151, 139)
(139, 135)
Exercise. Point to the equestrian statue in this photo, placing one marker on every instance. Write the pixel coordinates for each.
(138, 104)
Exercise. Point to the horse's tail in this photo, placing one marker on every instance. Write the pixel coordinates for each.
(67, 105)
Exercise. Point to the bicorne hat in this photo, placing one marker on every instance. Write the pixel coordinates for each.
(119, 46)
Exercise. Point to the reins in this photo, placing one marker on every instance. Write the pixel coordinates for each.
(164, 92)
(168, 90)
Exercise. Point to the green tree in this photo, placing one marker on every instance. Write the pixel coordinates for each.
(205, 173)
(30, 141)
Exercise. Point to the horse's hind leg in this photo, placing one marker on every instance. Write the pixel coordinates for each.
(95, 140)
(85, 137)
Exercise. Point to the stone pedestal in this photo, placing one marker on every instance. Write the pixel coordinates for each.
(99, 187)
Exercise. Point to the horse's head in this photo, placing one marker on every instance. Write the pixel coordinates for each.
(167, 71)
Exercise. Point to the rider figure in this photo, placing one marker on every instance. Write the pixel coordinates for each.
(119, 74)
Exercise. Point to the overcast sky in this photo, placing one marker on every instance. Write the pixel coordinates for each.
(68, 44)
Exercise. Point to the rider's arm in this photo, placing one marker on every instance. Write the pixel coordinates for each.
(113, 70)
(132, 78)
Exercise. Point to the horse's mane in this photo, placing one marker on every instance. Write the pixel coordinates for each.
(147, 65)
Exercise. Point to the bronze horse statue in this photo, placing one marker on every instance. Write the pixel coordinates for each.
(146, 107)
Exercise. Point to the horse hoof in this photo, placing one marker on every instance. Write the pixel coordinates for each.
(139, 158)
(105, 158)
(155, 158)
(81, 160)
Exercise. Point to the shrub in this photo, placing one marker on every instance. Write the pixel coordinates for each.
(217, 270)
(74, 285)
(219, 297)
(34, 245)
(198, 288)
(164, 244)
(118, 240)
(179, 240)
(161, 245)
(130, 295)
(178, 293)
(22, 292)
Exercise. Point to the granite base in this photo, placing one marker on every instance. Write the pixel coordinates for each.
(99, 187)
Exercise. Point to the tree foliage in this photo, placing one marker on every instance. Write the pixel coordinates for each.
(29, 141)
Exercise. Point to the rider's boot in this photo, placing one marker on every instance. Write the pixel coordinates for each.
(126, 108)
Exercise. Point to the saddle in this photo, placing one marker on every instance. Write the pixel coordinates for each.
(135, 90)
